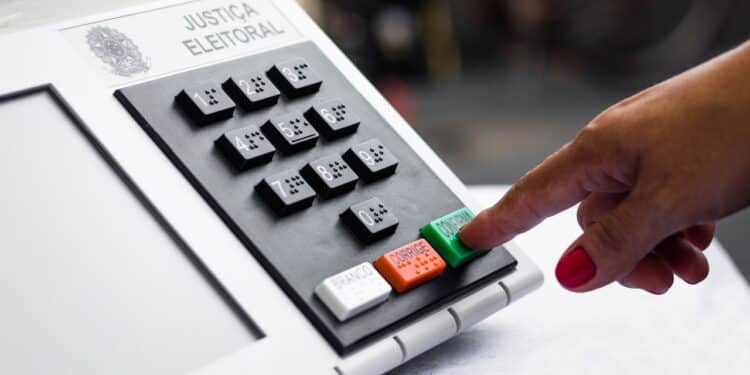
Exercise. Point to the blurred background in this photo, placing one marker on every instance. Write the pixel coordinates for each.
(496, 85)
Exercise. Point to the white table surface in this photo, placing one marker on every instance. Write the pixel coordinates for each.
(702, 329)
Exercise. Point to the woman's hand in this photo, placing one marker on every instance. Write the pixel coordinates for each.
(652, 174)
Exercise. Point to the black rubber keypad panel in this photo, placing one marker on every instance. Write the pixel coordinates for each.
(300, 239)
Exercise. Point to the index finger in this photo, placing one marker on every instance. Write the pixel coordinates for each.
(554, 185)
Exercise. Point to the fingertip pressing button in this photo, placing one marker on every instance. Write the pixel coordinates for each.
(442, 234)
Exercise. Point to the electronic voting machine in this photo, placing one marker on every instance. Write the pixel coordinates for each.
(212, 187)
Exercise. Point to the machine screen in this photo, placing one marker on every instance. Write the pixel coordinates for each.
(91, 282)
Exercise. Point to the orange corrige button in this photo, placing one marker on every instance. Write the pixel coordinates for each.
(410, 265)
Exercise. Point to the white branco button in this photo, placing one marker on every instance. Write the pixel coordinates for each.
(350, 292)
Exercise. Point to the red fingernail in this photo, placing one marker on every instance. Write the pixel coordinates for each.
(575, 268)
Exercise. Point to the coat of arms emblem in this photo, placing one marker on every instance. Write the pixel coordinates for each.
(117, 51)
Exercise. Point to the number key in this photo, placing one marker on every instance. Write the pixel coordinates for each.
(290, 133)
(246, 147)
(295, 78)
(205, 103)
(333, 119)
(371, 160)
(286, 192)
(330, 176)
(370, 220)
(252, 91)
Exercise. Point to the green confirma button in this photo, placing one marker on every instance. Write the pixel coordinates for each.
(442, 234)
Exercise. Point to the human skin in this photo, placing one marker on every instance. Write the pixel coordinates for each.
(652, 174)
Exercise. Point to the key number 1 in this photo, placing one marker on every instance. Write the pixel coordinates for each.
(200, 99)
(280, 188)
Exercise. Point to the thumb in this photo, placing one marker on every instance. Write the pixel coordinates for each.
(611, 248)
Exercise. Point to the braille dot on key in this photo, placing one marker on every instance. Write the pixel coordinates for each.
(213, 90)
